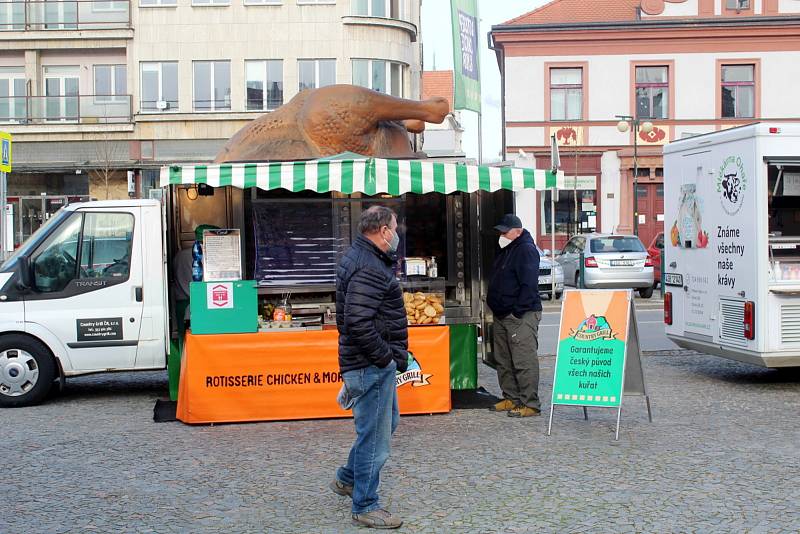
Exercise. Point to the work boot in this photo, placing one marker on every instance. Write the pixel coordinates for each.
(377, 519)
(503, 406)
(340, 488)
(523, 411)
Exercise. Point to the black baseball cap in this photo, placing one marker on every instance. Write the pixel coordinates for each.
(508, 222)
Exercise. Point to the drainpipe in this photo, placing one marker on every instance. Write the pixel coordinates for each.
(501, 63)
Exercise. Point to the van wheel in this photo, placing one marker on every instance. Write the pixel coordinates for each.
(577, 280)
(646, 292)
(558, 296)
(27, 371)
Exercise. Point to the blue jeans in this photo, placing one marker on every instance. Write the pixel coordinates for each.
(376, 416)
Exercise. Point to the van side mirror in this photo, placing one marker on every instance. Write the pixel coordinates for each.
(25, 274)
(546, 252)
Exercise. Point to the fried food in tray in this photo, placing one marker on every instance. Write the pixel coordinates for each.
(423, 308)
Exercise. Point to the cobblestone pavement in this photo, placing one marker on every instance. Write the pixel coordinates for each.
(721, 456)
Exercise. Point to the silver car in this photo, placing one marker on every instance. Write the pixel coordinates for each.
(546, 271)
(610, 261)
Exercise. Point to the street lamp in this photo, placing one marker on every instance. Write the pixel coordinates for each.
(625, 122)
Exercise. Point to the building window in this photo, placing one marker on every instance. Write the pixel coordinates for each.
(157, 3)
(211, 2)
(264, 84)
(378, 8)
(379, 75)
(652, 92)
(12, 94)
(159, 86)
(566, 94)
(62, 89)
(738, 91)
(737, 4)
(110, 83)
(301, 2)
(316, 73)
(212, 85)
(100, 7)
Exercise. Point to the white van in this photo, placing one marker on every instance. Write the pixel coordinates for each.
(732, 243)
(86, 293)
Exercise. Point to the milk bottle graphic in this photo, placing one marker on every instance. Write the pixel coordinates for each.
(690, 221)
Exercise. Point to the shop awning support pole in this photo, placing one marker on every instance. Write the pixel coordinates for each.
(553, 244)
(555, 163)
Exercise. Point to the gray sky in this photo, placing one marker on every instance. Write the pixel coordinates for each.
(438, 53)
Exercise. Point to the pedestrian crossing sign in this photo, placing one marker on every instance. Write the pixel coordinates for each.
(5, 152)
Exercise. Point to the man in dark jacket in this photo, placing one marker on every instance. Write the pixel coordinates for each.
(514, 300)
(373, 346)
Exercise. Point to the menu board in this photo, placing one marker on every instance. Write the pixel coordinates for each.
(791, 184)
(222, 255)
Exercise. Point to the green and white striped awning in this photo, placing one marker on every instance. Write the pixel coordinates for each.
(370, 176)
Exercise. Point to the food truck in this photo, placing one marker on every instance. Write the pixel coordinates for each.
(732, 243)
(92, 290)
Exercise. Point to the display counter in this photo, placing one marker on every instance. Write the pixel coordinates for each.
(290, 375)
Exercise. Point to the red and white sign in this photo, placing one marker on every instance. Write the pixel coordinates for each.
(219, 296)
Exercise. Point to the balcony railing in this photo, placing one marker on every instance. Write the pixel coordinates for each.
(33, 15)
(82, 109)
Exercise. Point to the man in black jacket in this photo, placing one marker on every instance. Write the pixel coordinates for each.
(513, 297)
(373, 346)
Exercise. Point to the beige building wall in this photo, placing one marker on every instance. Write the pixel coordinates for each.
(290, 31)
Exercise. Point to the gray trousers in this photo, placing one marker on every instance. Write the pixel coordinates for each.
(515, 344)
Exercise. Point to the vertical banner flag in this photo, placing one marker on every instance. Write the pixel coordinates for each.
(466, 65)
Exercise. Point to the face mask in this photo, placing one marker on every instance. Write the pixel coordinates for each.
(504, 241)
(394, 242)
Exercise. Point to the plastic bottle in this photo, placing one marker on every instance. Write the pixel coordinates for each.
(197, 261)
(197, 271)
(197, 251)
(433, 269)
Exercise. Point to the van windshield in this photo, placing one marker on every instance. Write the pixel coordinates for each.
(616, 244)
(34, 239)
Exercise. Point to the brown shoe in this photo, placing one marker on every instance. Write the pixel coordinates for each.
(502, 406)
(377, 519)
(524, 411)
(340, 488)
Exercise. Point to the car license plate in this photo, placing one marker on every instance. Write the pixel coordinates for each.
(673, 279)
(623, 263)
(544, 280)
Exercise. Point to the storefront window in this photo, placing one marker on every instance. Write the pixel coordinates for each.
(572, 217)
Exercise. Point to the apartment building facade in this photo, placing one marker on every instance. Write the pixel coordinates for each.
(99, 94)
(686, 67)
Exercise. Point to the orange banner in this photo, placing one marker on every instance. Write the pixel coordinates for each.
(295, 375)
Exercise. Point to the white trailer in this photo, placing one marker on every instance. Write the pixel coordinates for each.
(732, 243)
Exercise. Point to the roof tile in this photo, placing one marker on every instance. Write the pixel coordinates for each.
(438, 83)
(576, 11)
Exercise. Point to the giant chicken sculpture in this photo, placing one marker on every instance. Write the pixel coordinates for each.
(331, 120)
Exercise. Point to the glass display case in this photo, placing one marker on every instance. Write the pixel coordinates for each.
(424, 300)
(784, 260)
